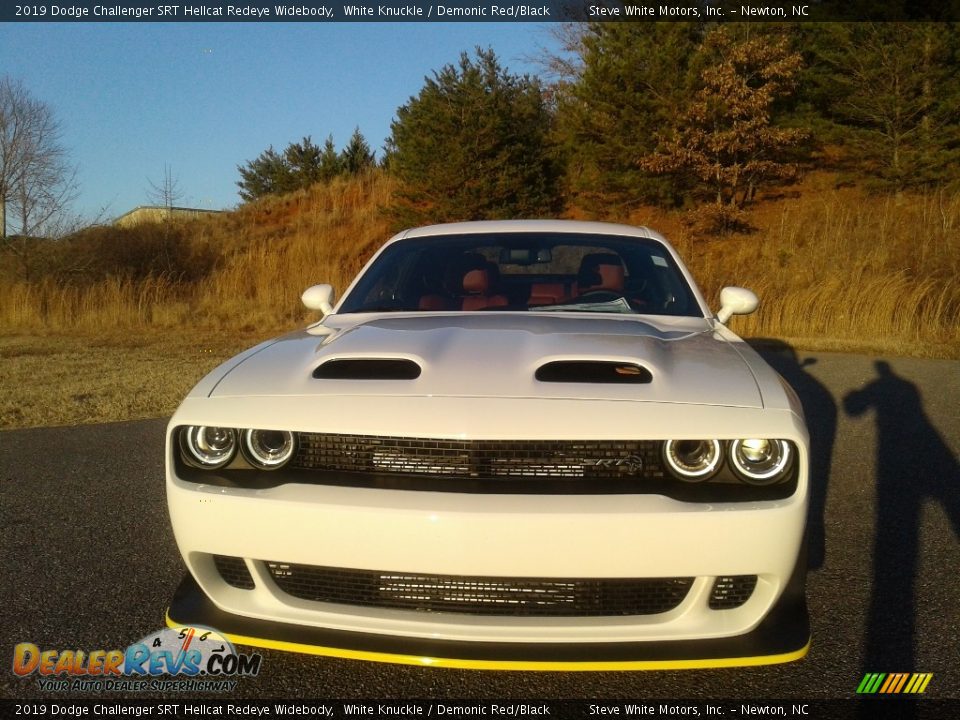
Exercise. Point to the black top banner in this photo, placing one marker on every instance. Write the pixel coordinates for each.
(482, 11)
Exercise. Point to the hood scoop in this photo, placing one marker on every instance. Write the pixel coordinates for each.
(537, 356)
(593, 371)
(367, 369)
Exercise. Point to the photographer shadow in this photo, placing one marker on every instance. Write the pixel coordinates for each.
(913, 466)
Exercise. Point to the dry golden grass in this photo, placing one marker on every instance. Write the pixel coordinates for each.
(119, 349)
(322, 235)
(270, 251)
(840, 269)
(835, 268)
(114, 303)
(66, 379)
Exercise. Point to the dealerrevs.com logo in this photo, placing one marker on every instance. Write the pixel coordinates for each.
(187, 659)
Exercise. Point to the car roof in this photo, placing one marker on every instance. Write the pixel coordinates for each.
(531, 226)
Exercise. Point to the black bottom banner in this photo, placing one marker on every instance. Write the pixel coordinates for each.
(872, 708)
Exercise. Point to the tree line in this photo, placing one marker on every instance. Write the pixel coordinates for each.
(302, 164)
(686, 115)
(676, 114)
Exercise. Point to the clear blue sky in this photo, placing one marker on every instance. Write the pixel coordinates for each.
(206, 97)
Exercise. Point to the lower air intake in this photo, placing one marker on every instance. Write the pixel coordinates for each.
(732, 591)
(234, 571)
(522, 597)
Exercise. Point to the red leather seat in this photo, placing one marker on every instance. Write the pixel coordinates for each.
(600, 271)
(543, 293)
(476, 288)
(434, 302)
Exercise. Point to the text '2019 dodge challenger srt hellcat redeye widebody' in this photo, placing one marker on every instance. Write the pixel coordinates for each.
(512, 444)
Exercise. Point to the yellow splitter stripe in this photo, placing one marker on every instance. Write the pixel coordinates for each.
(509, 664)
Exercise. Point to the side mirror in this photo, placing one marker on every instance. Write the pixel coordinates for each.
(736, 301)
(319, 297)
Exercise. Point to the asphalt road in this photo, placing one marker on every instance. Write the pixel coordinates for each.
(88, 560)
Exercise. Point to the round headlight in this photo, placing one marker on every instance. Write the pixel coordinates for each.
(268, 449)
(692, 460)
(208, 447)
(760, 461)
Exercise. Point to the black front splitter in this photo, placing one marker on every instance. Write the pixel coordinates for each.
(783, 636)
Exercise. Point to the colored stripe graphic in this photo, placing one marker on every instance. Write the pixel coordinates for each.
(870, 683)
(921, 682)
(894, 683)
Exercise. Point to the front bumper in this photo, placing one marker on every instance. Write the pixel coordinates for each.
(466, 535)
(783, 636)
(469, 535)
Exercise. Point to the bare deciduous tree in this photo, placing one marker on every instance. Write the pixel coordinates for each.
(166, 192)
(37, 181)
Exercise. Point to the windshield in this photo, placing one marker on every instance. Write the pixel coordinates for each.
(524, 272)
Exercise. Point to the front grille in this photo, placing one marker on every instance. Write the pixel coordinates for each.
(234, 571)
(732, 591)
(481, 459)
(522, 597)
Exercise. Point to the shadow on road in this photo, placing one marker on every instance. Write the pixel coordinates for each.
(914, 465)
(821, 415)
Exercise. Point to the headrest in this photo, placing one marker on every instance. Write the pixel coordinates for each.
(601, 271)
(476, 281)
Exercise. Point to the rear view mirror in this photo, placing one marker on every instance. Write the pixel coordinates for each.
(525, 256)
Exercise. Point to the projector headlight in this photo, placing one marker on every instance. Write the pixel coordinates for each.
(208, 447)
(268, 449)
(760, 461)
(692, 460)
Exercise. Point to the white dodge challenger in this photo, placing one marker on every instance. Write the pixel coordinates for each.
(516, 444)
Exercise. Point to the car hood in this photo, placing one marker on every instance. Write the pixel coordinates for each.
(497, 355)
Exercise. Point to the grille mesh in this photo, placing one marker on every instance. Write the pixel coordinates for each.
(545, 597)
(732, 591)
(234, 571)
(480, 459)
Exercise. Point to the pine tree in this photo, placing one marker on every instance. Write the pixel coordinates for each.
(357, 156)
(304, 159)
(331, 163)
(892, 92)
(473, 144)
(629, 81)
(267, 174)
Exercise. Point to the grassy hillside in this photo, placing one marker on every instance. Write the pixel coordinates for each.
(839, 268)
(258, 260)
(834, 268)
(117, 326)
